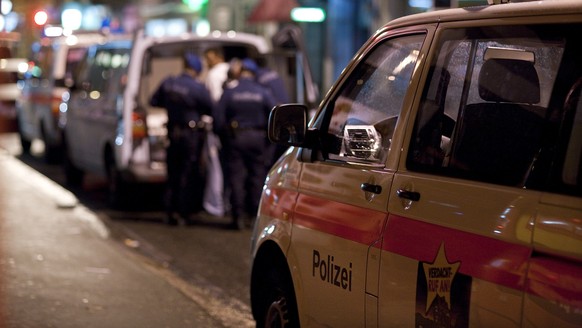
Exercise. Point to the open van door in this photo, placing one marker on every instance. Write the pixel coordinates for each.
(290, 59)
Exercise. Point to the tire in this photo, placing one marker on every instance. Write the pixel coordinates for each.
(278, 307)
(24, 143)
(73, 175)
(116, 187)
(52, 153)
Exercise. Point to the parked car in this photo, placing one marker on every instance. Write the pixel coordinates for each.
(109, 127)
(439, 183)
(11, 72)
(53, 63)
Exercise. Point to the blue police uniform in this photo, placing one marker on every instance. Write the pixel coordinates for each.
(241, 119)
(186, 100)
(271, 80)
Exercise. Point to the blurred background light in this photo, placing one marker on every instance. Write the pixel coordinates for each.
(307, 14)
(202, 27)
(93, 17)
(72, 18)
(53, 31)
(425, 4)
(6, 7)
(40, 17)
(11, 21)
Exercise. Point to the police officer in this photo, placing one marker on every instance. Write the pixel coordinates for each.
(241, 117)
(186, 99)
(271, 80)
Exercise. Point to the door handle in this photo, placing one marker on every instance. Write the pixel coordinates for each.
(411, 195)
(376, 189)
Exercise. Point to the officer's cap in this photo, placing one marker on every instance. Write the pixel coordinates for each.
(193, 62)
(249, 65)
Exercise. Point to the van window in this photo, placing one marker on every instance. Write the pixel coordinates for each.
(493, 101)
(166, 59)
(567, 177)
(365, 111)
(43, 57)
(571, 174)
(102, 75)
(74, 58)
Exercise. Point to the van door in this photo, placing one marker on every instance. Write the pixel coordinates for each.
(77, 114)
(554, 285)
(290, 60)
(341, 209)
(93, 113)
(457, 243)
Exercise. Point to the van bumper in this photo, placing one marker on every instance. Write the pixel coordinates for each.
(154, 172)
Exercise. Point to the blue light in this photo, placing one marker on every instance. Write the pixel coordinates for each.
(426, 4)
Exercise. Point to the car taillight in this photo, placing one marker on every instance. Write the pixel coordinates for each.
(138, 126)
(56, 106)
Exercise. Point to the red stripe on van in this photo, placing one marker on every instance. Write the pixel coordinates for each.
(489, 259)
(556, 279)
(350, 222)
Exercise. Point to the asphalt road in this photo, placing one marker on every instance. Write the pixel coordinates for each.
(205, 262)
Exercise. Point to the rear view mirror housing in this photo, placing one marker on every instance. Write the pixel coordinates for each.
(288, 125)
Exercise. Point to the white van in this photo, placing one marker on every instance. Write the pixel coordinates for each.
(54, 61)
(110, 128)
(11, 73)
(439, 183)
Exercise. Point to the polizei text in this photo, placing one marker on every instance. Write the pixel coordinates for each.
(334, 274)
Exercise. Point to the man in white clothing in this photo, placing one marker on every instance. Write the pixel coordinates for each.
(217, 72)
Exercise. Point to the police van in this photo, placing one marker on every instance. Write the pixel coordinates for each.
(109, 127)
(53, 63)
(439, 183)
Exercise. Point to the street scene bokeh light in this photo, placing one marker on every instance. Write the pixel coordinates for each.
(41, 17)
(6, 7)
(72, 18)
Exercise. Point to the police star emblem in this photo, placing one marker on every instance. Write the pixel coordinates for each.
(439, 277)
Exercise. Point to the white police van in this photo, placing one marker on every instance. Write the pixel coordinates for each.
(439, 183)
(53, 63)
(110, 129)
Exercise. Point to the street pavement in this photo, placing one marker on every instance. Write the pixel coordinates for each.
(59, 267)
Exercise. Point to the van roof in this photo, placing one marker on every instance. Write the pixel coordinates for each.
(530, 8)
(257, 41)
(81, 39)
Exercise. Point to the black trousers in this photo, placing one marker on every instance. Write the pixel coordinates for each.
(185, 173)
(246, 155)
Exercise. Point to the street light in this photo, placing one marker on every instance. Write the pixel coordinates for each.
(6, 7)
(195, 5)
(40, 17)
(308, 14)
(71, 19)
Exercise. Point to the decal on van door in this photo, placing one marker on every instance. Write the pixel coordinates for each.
(442, 293)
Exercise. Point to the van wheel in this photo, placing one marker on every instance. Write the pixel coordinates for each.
(73, 175)
(24, 143)
(277, 313)
(116, 187)
(51, 153)
(279, 306)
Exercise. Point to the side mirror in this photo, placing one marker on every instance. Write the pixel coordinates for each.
(288, 124)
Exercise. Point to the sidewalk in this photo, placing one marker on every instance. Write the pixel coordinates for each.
(59, 269)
